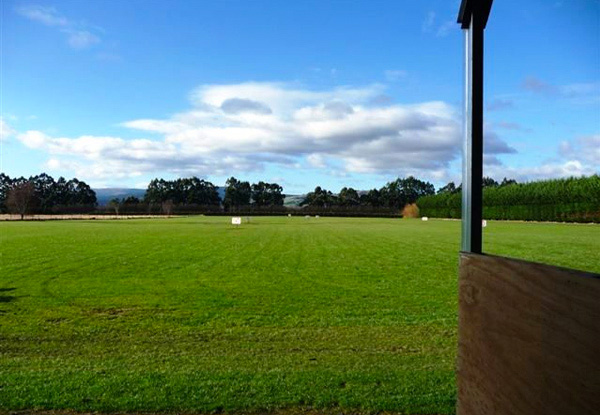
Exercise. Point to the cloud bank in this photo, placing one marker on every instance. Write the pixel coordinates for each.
(243, 127)
(240, 128)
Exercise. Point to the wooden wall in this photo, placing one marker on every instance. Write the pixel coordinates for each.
(529, 338)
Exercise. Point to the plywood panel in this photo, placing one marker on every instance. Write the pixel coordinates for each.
(529, 338)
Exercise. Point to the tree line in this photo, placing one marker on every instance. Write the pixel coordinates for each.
(561, 200)
(395, 194)
(572, 199)
(194, 195)
(43, 194)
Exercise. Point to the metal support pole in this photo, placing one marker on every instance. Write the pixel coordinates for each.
(473, 136)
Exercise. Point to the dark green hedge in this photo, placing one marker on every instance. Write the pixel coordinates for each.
(561, 200)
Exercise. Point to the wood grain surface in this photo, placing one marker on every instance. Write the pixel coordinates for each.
(529, 338)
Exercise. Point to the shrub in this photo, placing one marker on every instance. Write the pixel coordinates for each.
(561, 200)
(411, 210)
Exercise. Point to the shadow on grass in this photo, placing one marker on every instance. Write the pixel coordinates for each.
(6, 298)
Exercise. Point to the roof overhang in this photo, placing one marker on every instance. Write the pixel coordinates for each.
(470, 7)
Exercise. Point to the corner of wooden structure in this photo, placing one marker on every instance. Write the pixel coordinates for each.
(529, 338)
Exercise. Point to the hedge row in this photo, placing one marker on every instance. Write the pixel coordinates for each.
(250, 210)
(560, 200)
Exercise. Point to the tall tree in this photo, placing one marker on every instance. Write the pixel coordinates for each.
(50, 193)
(489, 182)
(371, 198)
(319, 197)
(115, 204)
(348, 197)
(267, 194)
(5, 185)
(449, 188)
(182, 191)
(82, 193)
(401, 192)
(21, 198)
(237, 193)
(130, 200)
(507, 182)
(155, 191)
(61, 192)
(167, 207)
(202, 192)
(45, 189)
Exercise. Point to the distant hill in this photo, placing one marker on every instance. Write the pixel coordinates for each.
(293, 200)
(107, 194)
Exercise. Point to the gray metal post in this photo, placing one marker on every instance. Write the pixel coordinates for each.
(473, 135)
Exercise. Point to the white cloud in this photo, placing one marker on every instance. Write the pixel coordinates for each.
(446, 28)
(6, 131)
(280, 97)
(585, 148)
(42, 14)
(99, 148)
(582, 93)
(428, 23)
(238, 106)
(81, 39)
(78, 35)
(233, 129)
(316, 160)
(431, 25)
(546, 171)
(493, 144)
(577, 157)
(244, 127)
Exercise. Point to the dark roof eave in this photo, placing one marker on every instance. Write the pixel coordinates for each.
(466, 10)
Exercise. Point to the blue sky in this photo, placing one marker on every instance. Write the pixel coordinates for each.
(304, 93)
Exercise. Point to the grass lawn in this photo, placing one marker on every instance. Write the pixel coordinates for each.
(193, 315)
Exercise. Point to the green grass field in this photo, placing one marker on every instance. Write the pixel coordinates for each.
(281, 314)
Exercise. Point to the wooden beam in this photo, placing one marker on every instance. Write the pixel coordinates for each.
(529, 338)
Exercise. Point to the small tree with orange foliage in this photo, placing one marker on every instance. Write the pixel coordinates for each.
(411, 210)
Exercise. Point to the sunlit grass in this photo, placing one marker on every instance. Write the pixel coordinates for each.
(193, 315)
